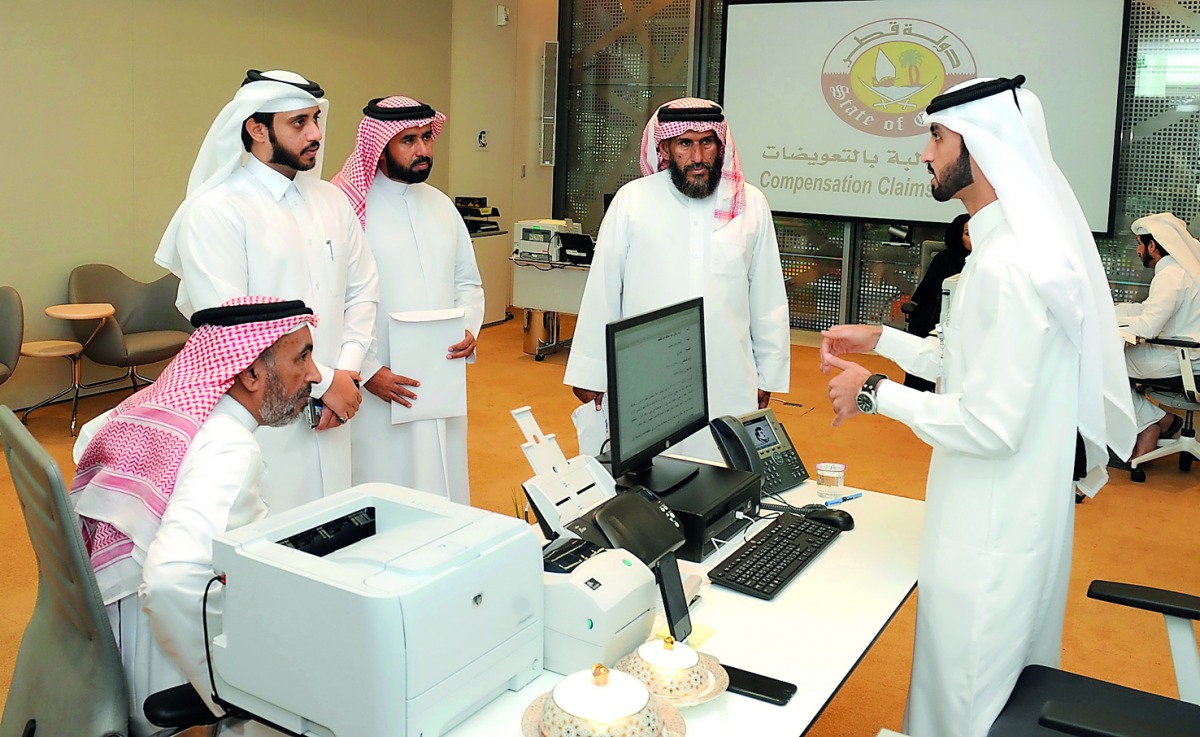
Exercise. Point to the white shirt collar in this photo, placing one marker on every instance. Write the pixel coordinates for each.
(276, 183)
(391, 186)
(232, 407)
(985, 222)
(1163, 263)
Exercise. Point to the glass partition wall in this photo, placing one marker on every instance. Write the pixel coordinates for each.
(626, 57)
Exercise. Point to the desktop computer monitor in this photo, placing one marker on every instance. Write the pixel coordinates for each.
(657, 391)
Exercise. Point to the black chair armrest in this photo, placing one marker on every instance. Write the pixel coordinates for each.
(1094, 720)
(1174, 342)
(1171, 603)
(908, 307)
(178, 707)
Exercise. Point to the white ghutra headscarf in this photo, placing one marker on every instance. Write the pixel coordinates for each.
(1173, 234)
(1006, 135)
(222, 151)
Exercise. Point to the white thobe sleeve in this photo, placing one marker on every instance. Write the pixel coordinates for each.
(601, 304)
(468, 285)
(87, 432)
(178, 562)
(770, 328)
(1005, 339)
(212, 254)
(1160, 304)
(920, 356)
(362, 297)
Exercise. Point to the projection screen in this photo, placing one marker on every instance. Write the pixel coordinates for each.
(826, 98)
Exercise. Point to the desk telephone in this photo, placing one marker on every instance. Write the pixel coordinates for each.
(757, 442)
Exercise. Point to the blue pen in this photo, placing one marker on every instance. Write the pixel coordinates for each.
(831, 502)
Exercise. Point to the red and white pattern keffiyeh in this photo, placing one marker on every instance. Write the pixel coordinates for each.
(129, 468)
(731, 191)
(358, 173)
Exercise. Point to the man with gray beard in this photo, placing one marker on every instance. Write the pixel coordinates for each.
(175, 465)
(691, 227)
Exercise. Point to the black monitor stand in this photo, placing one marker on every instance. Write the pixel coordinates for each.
(662, 477)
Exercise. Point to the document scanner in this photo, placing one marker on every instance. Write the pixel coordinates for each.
(380, 610)
(600, 601)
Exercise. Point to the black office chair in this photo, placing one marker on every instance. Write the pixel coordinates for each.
(1050, 703)
(1177, 392)
(68, 679)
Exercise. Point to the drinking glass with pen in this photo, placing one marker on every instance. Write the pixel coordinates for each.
(846, 498)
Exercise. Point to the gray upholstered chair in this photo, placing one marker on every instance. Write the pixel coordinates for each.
(69, 679)
(146, 329)
(12, 331)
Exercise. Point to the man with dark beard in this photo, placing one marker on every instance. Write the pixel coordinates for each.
(272, 227)
(691, 227)
(1031, 391)
(426, 262)
(1171, 310)
(176, 464)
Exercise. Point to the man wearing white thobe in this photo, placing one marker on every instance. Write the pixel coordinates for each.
(426, 262)
(691, 227)
(246, 365)
(273, 227)
(1032, 390)
(1171, 310)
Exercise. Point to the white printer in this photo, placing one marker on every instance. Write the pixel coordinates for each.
(537, 240)
(600, 604)
(378, 610)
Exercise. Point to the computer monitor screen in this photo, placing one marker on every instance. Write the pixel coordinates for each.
(657, 390)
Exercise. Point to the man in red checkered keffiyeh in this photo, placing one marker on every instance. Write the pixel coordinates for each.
(177, 463)
(385, 118)
(426, 262)
(691, 226)
(682, 124)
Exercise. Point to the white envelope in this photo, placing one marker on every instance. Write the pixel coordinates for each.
(418, 343)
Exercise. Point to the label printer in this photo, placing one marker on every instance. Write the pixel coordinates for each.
(378, 610)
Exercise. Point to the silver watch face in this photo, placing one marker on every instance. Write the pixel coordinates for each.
(866, 403)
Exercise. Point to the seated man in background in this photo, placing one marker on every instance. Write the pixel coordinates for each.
(176, 464)
(1171, 310)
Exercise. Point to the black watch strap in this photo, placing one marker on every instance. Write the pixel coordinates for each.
(872, 383)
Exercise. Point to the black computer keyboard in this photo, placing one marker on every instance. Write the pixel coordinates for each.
(765, 563)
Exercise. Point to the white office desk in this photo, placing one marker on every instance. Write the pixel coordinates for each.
(813, 634)
(544, 290)
(556, 287)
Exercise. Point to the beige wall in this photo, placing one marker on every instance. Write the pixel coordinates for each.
(107, 103)
(497, 76)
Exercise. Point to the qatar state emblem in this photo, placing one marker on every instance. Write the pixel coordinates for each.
(879, 77)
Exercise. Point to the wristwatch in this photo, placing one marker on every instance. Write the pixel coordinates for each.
(867, 402)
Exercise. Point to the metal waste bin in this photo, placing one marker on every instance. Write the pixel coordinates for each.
(541, 333)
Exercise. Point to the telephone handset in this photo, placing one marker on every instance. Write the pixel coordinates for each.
(757, 442)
